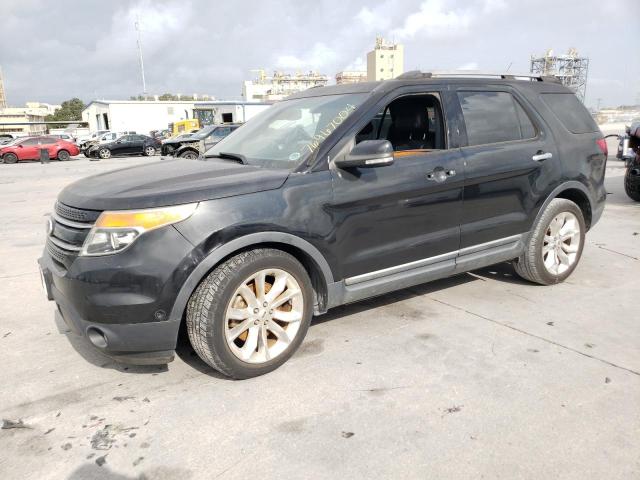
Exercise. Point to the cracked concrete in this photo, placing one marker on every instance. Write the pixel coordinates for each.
(477, 376)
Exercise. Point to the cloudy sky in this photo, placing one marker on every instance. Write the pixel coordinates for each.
(51, 51)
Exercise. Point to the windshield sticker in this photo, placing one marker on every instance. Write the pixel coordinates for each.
(294, 156)
(319, 137)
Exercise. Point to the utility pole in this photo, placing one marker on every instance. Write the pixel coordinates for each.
(144, 83)
(599, 100)
(3, 98)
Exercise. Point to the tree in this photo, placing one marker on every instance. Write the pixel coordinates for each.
(69, 110)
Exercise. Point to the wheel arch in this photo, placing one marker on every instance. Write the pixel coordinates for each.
(577, 193)
(312, 260)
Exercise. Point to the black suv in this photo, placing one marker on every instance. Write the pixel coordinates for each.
(189, 146)
(334, 195)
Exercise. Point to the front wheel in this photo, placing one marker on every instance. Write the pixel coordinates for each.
(104, 153)
(149, 151)
(251, 313)
(10, 158)
(632, 182)
(189, 155)
(554, 248)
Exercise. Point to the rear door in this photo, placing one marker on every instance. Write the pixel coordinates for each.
(136, 145)
(510, 163)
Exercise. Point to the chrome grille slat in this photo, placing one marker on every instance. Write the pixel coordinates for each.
(64, 245)
(70, 223)
(70, 229)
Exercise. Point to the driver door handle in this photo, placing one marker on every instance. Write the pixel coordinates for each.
(439, 174)
(540, 156)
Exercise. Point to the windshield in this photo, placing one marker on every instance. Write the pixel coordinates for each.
(203, 132)
(288, 132)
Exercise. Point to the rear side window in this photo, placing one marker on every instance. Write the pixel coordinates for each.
(571, 112)
(492, 117)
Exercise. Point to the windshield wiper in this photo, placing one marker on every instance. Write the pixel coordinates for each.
(231, 156)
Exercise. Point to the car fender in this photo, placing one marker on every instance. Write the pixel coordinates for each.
(568, 185)
(215, 256)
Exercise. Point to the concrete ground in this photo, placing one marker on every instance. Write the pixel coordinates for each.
(476, 376)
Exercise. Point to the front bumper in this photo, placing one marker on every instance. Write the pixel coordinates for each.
(121, 303)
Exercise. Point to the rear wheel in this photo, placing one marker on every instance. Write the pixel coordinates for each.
(189, 155)
(554, 247)
(632, 183)
(251, 313)
(149, 151)
(63, 156)
(104, 153)
(10, 158)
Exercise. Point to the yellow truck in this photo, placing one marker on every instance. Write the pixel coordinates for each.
(184, 126)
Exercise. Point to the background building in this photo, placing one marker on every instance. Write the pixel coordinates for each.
(273, 88)
(22, 115)
(145, 116)
(350, 76)
(571, 69)
(385, 61)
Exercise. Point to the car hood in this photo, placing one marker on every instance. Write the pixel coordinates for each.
(169, 182)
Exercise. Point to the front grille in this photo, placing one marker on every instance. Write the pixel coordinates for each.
(70, 229)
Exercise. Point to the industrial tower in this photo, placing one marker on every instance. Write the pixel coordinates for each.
(571, 69)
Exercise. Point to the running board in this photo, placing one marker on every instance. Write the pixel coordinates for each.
(383, 281)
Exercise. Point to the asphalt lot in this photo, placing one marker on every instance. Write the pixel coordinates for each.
(477, 376)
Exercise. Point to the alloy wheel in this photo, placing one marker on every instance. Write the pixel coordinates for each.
(104, 153)
(149, 151)
(561, 243)
(264, 316)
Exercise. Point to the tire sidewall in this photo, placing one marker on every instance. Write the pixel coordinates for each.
(12, 156)
(218, 342)
(554, 209)
(63, 155)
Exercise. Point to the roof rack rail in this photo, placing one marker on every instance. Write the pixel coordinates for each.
(417, 74)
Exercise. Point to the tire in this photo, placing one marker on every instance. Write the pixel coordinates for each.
(189, 155)
(632, 183)
(10, 158)
(149, 151)
(63, 156)
(210, 330)
(532, 264)
(104, 153)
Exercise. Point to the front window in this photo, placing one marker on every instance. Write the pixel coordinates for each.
(289, 132)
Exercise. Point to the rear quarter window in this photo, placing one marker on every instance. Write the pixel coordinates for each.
(570, 111)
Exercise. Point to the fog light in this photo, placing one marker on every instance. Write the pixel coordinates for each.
(96, 337)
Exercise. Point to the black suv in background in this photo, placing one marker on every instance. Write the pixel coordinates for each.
(334, 195)
(189, 146)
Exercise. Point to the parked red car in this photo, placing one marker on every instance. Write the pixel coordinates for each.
(29, 149)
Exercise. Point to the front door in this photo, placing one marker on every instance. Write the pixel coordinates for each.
(510, 164)
(389, 217)
(29, 149)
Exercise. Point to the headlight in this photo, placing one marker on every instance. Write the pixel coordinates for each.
(117, 230)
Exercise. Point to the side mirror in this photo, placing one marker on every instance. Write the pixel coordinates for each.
(367, 154)
(20, 146)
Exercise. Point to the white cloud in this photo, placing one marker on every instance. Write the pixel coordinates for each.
(469, 66)
(434, 19)
(373, 21)
(317, 58)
